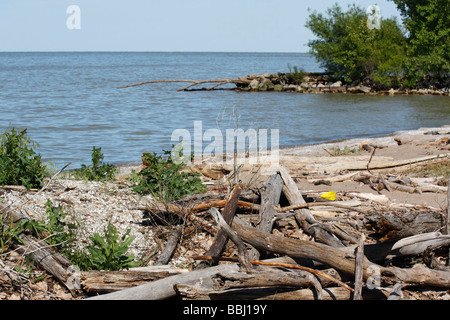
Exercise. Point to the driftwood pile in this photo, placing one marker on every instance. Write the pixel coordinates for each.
(284, 251)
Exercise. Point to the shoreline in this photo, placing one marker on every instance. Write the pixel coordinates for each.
(316, 149)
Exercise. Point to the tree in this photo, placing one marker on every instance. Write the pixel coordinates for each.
(348, 48)
(428, 45)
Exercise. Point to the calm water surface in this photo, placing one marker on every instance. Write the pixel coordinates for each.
(70, 102)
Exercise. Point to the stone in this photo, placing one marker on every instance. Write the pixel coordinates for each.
(278, 88)
(336, 84)
(254, 84)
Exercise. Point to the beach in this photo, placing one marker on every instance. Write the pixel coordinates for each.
(400, 158)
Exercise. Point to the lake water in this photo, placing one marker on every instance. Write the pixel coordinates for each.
(70, 102)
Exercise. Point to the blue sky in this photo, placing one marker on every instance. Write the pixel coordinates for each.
(165, 25)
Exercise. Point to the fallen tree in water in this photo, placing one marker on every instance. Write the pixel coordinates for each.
(308, 82)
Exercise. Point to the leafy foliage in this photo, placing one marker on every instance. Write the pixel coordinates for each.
(9, 232)
(97, 171)
(163, 178)
(19, 163)
(346, 47)
(428, 46)
(108, 252)
(296, 74)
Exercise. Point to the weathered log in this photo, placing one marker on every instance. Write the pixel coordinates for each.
(164, 288)
(242, 250)
(340, 259)
(303, 216)
(100, 282)
(228, 213)
(393, 227)
(326, 276)
(263, 277)
(192, 292)
(195, 292)
(269, 199)
(171, 245)
(413, 245)
(43, 256)
(359, 264)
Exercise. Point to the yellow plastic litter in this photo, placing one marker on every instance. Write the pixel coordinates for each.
(331, 195)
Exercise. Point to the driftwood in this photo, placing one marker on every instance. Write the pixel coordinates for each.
(243, 255)
(359, 269)
(190, 292)
(218, 82)
(411, 235)
(269, 199)
(43, 255)
(171, 245)
(164, 288)
(326, 277)
(100, 282)
(340, 259)
(304, 216)
(261, 277)
(228, 214)
(393, 227)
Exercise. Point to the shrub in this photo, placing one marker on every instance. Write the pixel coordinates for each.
(108, 252)
(19, 163)
(97, 171)
(164, 178)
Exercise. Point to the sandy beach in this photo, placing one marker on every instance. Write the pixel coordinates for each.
(400, 157)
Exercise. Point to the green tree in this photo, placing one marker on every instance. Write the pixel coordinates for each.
(349, 49)
(428, 47)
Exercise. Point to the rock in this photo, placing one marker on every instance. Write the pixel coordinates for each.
(278, 87)
(359, 89)
(336, 84)
(305, 85)
(265, 85)
(392, 91)
(254, 84)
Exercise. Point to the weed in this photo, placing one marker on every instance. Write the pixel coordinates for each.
(164, 178)
(296, 74)
(97, 171)
(433, 169)
(108, 252)
(19, 163)
(53, 229)
(9, 232)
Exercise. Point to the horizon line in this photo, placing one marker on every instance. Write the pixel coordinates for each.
(141, 51)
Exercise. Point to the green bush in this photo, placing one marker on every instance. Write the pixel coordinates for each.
(351, 51)
(19, 163)
(108, 252)
(164, 178)
(428, 45)
(97, 171)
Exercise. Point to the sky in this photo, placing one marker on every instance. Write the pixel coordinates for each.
(164, 25)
